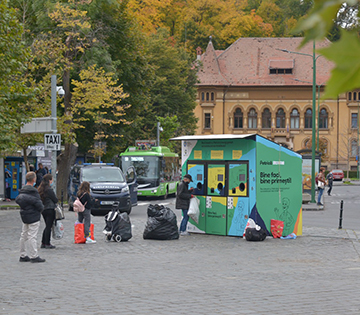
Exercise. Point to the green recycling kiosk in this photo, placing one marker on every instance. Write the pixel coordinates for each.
(237, 177)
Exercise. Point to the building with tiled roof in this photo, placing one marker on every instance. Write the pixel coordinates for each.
(264, 86)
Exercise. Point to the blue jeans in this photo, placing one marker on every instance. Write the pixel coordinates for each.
(184, 220)
(321, 191)
(85, 217)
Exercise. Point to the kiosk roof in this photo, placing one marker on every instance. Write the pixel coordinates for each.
(214, 137)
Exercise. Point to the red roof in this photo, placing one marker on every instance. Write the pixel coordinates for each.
(248, 60)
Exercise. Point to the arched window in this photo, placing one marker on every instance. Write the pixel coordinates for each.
(359, 96)
(354, 147)
(349, 96)
(294, 119)
(266, 119)
(307, 143)
(207, 96)
(238, 118)
(252, 119)
(280, 118)
(308, 119)
(212, 96)
(323, 119)
(203, 96)
(354, 96)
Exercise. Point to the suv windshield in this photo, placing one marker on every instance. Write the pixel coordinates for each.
(100, 174)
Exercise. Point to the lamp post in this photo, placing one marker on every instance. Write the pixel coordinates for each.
(53, 127)
(313, 144)
(357, 160)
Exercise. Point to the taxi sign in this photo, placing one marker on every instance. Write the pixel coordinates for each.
(52, 141)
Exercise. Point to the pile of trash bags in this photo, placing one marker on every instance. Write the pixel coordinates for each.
(161, 224)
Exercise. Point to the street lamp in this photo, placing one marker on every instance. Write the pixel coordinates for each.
(314, 58)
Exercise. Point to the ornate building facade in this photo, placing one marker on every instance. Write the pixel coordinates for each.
(264, 86)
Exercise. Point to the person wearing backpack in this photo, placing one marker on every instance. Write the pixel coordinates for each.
(85, 216)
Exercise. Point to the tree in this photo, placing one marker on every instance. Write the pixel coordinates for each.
(14, 92)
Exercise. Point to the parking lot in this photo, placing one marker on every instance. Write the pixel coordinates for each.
(198, 274)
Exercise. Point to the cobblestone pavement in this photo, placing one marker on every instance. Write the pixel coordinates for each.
(317, 273)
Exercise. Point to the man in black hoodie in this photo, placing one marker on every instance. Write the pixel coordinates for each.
(31, 207)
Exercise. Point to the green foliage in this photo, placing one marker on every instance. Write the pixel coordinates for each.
(169, 125)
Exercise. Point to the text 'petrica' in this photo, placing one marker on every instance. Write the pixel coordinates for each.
(273, 178)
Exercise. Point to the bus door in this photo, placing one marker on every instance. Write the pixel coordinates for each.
(132, 183)
(238, 198)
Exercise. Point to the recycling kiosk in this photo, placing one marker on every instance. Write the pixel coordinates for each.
(237, 177)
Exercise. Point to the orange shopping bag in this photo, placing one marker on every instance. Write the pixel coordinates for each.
(79, 233)
(276, 228)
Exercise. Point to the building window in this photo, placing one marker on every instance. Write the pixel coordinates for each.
(266, 119)
(212, 96)
(294, 119)
(323, 119)
(353, 148)
(349, 96)
(280, 71)
(359, 96)
(203, 96)
(354, 96)
(354, 120)
(207, 96)
(308, 119)
(307, 143)
(207, 121)
(238, 119)
(252, 119)
(280, 118)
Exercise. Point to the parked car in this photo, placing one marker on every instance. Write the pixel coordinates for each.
(338, 174)
(107, 185)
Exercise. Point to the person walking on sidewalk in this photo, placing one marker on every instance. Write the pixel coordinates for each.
(330, 179)
(31, 207)
(321, 184)
(85, 216)
(183, 196)
(49, 201)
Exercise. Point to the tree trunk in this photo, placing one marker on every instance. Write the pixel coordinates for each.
(64, 161)
(26, 160)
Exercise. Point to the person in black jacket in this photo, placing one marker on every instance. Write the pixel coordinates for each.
(85, 198)
(183, 196)
(49, 201)
(31, 207)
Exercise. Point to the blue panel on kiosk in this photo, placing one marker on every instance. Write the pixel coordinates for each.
(197, 172)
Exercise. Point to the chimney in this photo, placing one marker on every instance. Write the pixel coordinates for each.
(198, 52)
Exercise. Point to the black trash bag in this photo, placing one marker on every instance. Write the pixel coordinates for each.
(118, 226)
(252, 234)
(161, 224)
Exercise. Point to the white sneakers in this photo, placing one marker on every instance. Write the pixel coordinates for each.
(90, 241)
(184, 233)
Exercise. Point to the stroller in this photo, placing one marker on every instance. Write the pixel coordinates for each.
(118, 225)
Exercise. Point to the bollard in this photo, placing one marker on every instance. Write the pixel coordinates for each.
(62, 198)
(341, 214)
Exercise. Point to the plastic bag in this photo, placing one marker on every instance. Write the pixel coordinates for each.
(255, 235)
(250, 224)
(57, 230)
(79, 235)
(161, 224)
(276, 228)
(118, 226)
(194, 210)
(59, 213)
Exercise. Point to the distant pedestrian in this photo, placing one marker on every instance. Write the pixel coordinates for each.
(183, 197)
(49, 201)
(321, 184)
(31, 207)
(85, 217)
(330, 179)
(8, 181)
(40, 173)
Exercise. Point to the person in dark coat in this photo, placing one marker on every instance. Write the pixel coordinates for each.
(330, 179)
(49, 201)
(183, 201)
(31, 207)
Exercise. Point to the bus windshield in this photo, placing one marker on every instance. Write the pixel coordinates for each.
(98, 174)
(146, 167)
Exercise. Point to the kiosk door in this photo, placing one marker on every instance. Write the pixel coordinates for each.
(237, 215)
(216, 180)
(216, 215)
(197, 172)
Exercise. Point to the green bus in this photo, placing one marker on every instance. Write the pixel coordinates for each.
(157, 170)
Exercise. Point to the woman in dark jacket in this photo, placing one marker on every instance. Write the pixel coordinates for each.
(85, 217)
(49, 200)
(183, 196)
